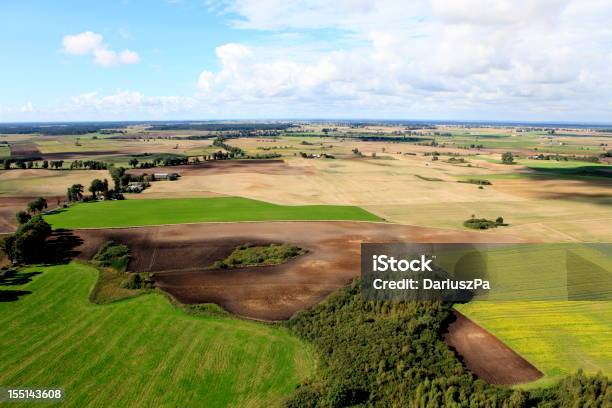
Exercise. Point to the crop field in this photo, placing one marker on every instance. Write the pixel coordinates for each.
(184, 210)
(4, 151)
(557, 337)
(33, 182)
(141, 351)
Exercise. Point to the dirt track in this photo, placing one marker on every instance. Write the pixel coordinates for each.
(486, 356)
(180, 255)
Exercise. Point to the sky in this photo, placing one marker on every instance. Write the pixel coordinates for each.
(510, 60)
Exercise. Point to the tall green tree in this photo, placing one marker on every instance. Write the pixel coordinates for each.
(37, 205)
(96, 186)
(75, 192)
(507, 158)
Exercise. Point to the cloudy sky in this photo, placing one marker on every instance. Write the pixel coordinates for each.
(539, 60)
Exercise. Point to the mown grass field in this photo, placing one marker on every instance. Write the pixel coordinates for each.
(142, 351)
(127, 213)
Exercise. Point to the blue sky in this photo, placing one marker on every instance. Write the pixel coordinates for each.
(199, 59)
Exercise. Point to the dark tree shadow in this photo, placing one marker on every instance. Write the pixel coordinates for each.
(61, 247)
(12, 295)
(56, 211)
(11, 277)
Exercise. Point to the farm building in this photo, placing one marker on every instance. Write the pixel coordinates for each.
(165, 176)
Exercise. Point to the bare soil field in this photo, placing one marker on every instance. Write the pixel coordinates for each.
(90, 154)
(486, 356)
(181, 254)
(24, 149)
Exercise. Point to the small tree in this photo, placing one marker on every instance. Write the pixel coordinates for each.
(22, 217)
(499, 220)
(133, 162)
(507, 158)
(37, 205)
(97, 185)
(75, 192)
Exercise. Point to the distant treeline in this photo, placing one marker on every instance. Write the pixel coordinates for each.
(62, 129)
(391, 139)
(222, 126)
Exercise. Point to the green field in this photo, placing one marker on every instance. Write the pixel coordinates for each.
(5, 152)
(557, 336)
(142, 351)
(127, 213)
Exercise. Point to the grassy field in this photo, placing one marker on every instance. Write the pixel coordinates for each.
(141, 351)
(184, 210)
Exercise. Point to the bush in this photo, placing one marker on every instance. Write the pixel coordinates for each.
(251, 255)
(483, 223)
(113, 255)
(142, 280)
(480, 182)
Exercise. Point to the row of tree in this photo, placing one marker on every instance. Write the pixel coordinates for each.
(88, 164)
(30, 164)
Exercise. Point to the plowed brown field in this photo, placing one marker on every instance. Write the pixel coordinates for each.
(486, 356)
(182, 254)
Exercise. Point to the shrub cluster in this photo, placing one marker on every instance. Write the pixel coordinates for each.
(483, 223)
(112, 255)
(252, 255)
(143, 280)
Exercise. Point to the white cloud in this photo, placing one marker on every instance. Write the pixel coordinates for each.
(90, 43)
(462, 59)
(504, 57)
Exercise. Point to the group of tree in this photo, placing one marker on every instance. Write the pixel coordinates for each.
(233, 151)
(391, 354)
(31, 163)
(88, 164)
(34, 207)
(75, 193)
(98, 188)
(26, 244)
